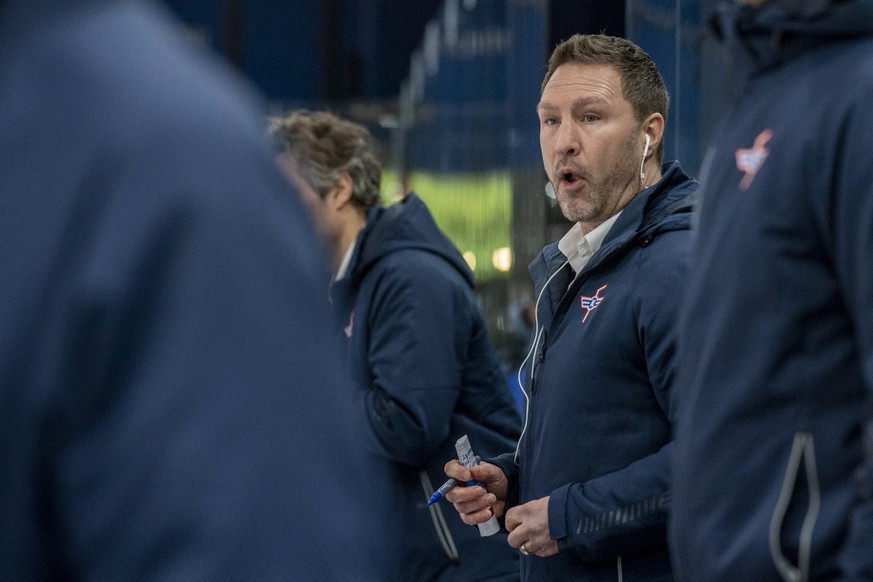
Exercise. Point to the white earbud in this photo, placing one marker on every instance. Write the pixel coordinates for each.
(643, 161)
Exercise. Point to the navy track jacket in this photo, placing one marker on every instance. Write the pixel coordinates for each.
(424, 374)
(599, 425)
(773, 480)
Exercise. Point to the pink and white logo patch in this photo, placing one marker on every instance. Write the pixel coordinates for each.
(750, 160)
(591, 303)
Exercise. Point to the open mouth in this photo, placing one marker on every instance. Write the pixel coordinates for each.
(569, 177)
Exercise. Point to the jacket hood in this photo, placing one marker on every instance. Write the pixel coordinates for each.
(405, 225)
(665, 206)
(761, 38)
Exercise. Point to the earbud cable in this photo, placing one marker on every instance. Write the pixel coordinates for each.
(538, 333)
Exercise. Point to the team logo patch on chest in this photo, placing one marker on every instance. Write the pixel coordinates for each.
(590, 303)
(750, 160)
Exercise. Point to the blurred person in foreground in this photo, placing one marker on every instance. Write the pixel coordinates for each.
(169, 407)
(774, 465)
(422, 367)
(585, 495)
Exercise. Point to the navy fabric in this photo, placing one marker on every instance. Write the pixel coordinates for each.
(424, 374)
(170, 406)
(598, 435)
(772, 479)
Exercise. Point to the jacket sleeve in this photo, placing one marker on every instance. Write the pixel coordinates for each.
(620, 512)
(625, 511)
(415, 349)
(853, 204)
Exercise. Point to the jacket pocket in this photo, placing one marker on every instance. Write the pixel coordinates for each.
(802, 457)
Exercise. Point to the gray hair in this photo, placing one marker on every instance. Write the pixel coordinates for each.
(324, 146)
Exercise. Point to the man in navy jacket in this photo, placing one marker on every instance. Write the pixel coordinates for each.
(588, 488)
(422, 367)
(169, 402)
(774, 465)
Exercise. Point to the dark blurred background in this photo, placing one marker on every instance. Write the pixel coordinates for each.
(449, 88)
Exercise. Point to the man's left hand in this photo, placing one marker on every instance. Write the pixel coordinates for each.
(528, 527)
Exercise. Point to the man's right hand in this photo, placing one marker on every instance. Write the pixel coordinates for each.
(474, 503)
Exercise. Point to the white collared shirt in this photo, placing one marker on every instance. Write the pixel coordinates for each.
(344, 265)
(579, 248)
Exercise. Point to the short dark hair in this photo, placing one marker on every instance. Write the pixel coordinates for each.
(641, 83)
(324, 145)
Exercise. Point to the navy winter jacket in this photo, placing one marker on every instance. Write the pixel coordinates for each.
(170, 405)
(424, 374)
(599, 425)
(772, 477)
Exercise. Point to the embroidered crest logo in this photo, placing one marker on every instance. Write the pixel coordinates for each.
(589, 304)
(750, 160)
(348, 329)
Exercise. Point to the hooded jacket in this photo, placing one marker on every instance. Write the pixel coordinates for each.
(424, 374)
(600, 413)
(772, 480)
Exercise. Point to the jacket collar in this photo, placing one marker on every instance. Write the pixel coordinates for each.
(660, 207)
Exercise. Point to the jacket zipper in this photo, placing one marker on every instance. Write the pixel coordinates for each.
(541, 356)
(802, 449)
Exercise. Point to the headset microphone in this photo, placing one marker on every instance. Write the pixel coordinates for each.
(550, 191)
(643, 161)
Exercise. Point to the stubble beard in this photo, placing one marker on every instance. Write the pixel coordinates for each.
(597, 202)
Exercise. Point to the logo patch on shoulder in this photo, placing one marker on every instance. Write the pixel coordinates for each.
(591, 303)
(750, 160)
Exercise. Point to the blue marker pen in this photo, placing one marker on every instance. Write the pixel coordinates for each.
(444, 488)
(439, 493)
